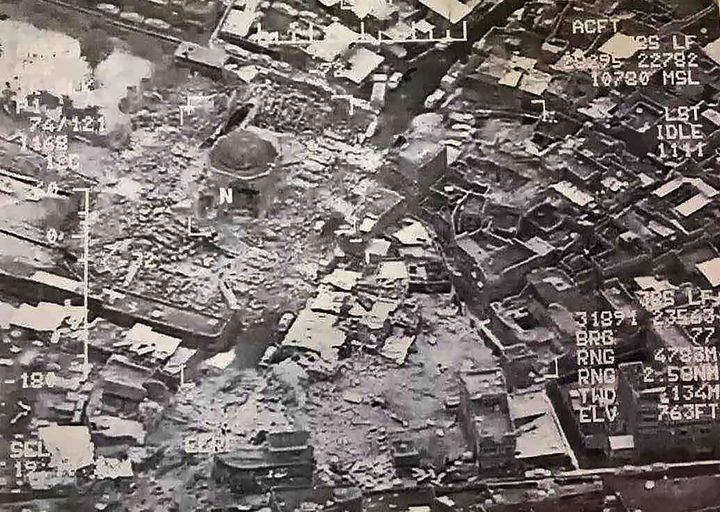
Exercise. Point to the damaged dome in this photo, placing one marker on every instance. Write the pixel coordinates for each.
(242, 152)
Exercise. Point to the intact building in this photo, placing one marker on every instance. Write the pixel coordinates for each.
(657, 435)
(485, 418)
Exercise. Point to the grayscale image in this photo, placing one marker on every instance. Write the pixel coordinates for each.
(360, 255)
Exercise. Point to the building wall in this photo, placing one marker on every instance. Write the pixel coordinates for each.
(494, 454)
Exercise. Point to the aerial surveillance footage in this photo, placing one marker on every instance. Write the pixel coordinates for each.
(360, 255)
